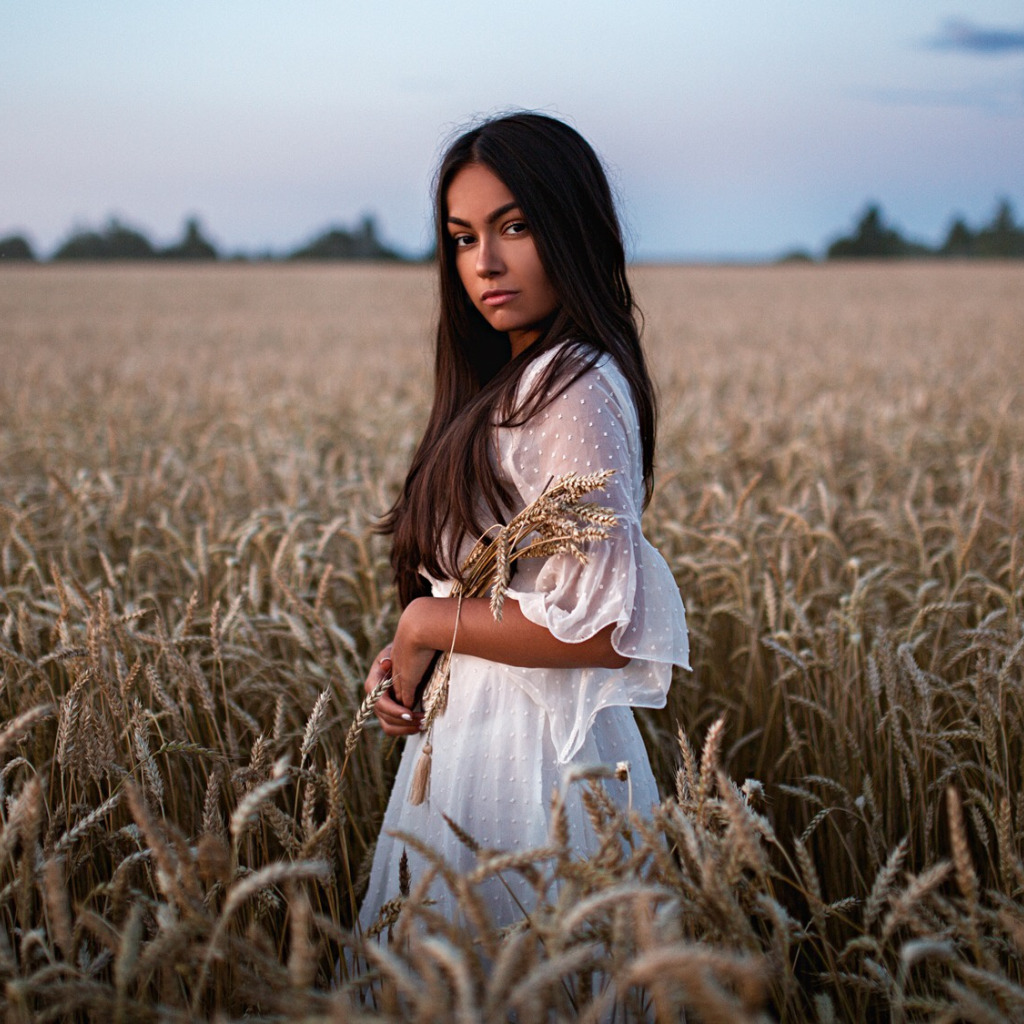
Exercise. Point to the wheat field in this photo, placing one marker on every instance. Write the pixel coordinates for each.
(191, 461)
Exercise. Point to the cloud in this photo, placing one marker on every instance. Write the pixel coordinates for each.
(963, 36)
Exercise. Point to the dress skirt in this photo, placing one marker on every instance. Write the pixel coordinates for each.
(494, 772)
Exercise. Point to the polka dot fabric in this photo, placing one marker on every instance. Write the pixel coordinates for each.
(625, 582)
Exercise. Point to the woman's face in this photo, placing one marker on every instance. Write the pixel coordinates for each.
(496, 257)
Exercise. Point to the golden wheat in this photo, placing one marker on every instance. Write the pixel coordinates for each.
(190, 591)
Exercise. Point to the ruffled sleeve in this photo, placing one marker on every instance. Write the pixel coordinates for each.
(626, 583)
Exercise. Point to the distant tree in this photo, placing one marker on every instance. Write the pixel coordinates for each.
(871, 240)
(368, 245)
(15, 248)
(82, 245)
(333, 244)
(960, 241)
(116, 242)
(124, 243)
(1002, 239)
(339, 244)
(796, 256)
(193, 245)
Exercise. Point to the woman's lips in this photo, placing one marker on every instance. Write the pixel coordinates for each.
(497, 297)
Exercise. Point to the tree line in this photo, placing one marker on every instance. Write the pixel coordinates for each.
(1002, 238)
(118, 241)
(872, 238)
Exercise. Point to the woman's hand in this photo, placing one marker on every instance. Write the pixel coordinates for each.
(395, 719)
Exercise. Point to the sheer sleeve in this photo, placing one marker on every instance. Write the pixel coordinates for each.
(625, 582)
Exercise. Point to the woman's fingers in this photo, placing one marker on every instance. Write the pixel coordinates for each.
(395, 719)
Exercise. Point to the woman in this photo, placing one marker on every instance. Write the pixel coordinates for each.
(539, 372)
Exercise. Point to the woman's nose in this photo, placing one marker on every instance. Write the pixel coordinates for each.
(488, 260)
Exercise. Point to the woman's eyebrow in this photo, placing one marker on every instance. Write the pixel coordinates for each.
(489, 219)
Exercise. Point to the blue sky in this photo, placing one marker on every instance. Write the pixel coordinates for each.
(740, 128)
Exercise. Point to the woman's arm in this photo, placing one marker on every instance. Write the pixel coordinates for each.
(428, 625)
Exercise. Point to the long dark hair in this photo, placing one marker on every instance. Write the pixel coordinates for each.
(562, 190)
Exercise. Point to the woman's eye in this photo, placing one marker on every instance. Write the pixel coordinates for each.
(461, 241)
(516, 227)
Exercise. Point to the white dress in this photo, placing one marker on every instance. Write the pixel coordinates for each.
(509, 735)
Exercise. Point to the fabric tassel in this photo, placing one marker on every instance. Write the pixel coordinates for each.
(421, 775)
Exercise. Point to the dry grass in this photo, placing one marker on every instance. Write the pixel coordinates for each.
(190, 461)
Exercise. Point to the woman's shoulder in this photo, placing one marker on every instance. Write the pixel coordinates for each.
(594, 387)
(585, 366)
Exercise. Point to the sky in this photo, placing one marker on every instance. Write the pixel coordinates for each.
(737, 129)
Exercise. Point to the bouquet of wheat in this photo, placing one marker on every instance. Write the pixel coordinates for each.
(557, 522)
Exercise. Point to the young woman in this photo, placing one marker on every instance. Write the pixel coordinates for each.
(539, 373)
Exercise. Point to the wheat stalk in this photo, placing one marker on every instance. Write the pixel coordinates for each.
(852, 555)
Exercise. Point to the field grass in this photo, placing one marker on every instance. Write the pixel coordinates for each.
(190, 465)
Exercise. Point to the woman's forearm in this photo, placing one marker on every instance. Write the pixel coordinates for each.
(428, 624)
(515, 640)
